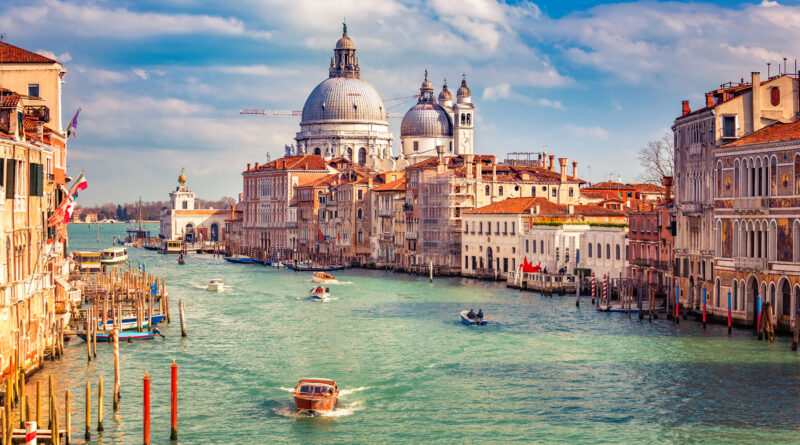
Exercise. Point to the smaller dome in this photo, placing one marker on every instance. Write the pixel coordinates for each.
(445, 94)
(464, 90)
(182, 178)
(345, 43)
(427, 86)
(427, 120)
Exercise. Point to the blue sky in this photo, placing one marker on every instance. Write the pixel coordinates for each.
(161, 82)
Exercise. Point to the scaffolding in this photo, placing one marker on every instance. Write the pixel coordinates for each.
(439, 221)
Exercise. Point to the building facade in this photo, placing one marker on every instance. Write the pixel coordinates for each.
(182, 221)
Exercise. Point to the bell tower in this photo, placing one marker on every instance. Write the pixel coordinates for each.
(463, 120)
(182, 198)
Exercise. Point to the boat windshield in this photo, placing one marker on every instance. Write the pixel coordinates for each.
(306, 388)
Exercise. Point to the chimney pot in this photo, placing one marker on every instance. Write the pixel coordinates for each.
(552, 166)
(574, 169)
(563, 163)
(686, 109)
(756, 99)
(248, 166)
(709, 100)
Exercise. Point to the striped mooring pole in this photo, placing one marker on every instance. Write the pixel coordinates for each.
(30, 433)
(605, 288)
(593, 288)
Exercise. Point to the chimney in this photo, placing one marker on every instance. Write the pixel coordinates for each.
(552, 166)
(233, 211)
(709, 100)
(440, 154)
(756, 99)
(40, 130)
(248, 166)
(469, 160)
(686, 109)
(539, 161)
(494, 169)
(571, 209)
(544, 159)
(563, 163)
(666, 181)
(256, 166)
(574, 169)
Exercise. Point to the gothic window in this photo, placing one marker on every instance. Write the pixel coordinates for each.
(317, 151)
(599, 251)
(797, 174)
(590, 250)
(362, 156)
(736, 178)
(360, 214)
(500, 191)
(360, 236)
(469, 119)
(608, 251)
(487, 191)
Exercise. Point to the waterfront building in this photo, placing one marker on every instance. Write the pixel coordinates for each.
(500, 236)
(234, 235)
(34, 289)
(756, 217)
(388, 222)
(651, 253)
(604, 251)
(310, 196)
(428, 124)
(345, 117)
(268, 191)
(729, 113)
(182, 221)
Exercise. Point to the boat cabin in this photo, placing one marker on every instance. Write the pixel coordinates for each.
(114, 255)
(87, 261)
(171, 247)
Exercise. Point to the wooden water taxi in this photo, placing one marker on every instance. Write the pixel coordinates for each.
(323, 278)
(472, 321)
(315, 395)
(172, 247)
(87, 261)
(215, 285)
(319, 294)
(114, 255)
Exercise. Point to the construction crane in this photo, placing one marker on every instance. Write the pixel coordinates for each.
(292, 113)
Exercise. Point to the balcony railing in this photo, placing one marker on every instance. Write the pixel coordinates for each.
(752, 264)
(757, 204)
(387, 237)
(692, 208)
(411, 235)
(655, 264)
(39, 113)
(387, 213)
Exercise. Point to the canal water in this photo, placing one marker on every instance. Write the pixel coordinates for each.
(542, 371)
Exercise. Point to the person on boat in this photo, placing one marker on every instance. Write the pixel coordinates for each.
(480, 314)
(471, 314)
(327, 289)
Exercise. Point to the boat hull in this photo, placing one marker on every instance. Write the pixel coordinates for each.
(215, 287)
(324, 280)
(472, 322)
(123, 336)
(315, 404)
(118, 260)
(307, 268)
(130, 323)
(240, 260)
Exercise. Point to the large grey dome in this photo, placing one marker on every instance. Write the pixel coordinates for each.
(344, 99)
(426, 119)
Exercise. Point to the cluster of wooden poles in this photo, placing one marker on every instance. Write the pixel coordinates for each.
(31, 419)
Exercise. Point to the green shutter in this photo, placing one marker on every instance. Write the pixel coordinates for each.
(31, 179)
(10, 177)
(39, 180)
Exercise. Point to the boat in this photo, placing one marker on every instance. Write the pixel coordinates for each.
(323, 278)
(241, 259)
(620, 308)
(315, 395)
(308, 267)
(87, 261)
(319, 294)
(129, 323)
(123, 336)
(171, 247)
(472, 321)
(215, 284)
(181, 261)
(114, 255)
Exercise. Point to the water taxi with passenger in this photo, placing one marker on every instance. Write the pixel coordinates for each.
(215, 285)
(323, 278)
(114, 255)
(314, 395)
(472, 321)
(319, 294)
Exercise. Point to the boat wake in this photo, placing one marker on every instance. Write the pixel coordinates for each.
(340, 411)
(347, 392)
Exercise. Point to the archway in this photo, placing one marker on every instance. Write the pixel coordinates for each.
(317, 151)
(214, 232)
(489, 257)
(188, 234)
(752, 295)
(362, 156)
(786, 298)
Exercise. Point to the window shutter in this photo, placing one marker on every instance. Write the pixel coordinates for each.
(32, 179)
(10, 177)
(40, 180)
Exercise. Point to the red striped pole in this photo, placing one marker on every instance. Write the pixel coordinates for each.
(605, 288)
(173, 435)
(146, 402)
(30, 433)
(593, 288)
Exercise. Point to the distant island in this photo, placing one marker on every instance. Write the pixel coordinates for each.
(151, 210)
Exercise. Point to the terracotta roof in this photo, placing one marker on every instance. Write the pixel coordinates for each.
(398, 185)
(9, 100)
(14, 54)
(305, 162)
(776, 132)
(321, 182)
(609, 185)
(648, 188)
(518, 206)
(593, 194)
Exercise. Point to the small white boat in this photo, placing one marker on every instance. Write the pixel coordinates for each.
(472, 321)
(319, 294)
(114, 255)
(215, 285)
(323, 278)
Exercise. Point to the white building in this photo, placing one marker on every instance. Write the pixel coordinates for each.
(604, 251)
(182, 221)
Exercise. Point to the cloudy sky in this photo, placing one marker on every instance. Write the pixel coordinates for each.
(161, 82)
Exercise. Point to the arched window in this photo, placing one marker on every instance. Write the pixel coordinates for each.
(360, 195)
(500, 191)
(360, 214)
(463, 119)
(350, 154)
(608, 251)
(786, 302)
(599, 251)
(590, 250)
(797, 174)
(317, 151)
(533, 191)
(736, 178)
(469, 119)
(362, 156)
(773, 176)
(360, 236)
(618, 252)
(487, 191)
(775, 96)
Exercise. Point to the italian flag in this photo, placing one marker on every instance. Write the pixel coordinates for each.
(80, 184)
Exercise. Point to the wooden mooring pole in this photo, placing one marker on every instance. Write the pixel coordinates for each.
(88, 434)
(67, 419)
(100, 404)
(115, 339)
(181, 310)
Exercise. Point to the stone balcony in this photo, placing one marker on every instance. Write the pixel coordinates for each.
(386, 213)
(750, 264)
(754, 205)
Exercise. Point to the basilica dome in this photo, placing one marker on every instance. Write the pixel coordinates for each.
(426, 119)
(344, 99)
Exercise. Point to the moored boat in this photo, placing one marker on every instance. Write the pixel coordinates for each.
(308, 267)
(216, 285)
(172, 247)
(123, 336)
(323, 278)
(241, 259)
(114, 255)
(472, 321)
(87, 261)
(319, 294)
(633, 310)
(129, 323)
(315, 395)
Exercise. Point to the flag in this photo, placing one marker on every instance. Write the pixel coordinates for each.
(78, 185)
(73, 124)
(320, 236)
(154, 288)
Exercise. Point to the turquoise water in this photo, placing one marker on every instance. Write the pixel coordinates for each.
(543, 371)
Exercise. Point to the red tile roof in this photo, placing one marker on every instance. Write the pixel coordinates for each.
(9, 100)
(648, 188)
(519, 206)
(324, 181)
(14, 54)
(398, 185)
(776, 132)
(609, 185)
(305, 162)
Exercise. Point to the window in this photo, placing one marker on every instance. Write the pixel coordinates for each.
(729, 126)
(360, 236)
(505, 228)
(608, 251)
(513, 228)
(360, 195)
(618, 252)
(486, 191)
(533, 191)
(500, 191)
(571, 192)
(527, 247)
(416, 146)
(554, 192)
(541, 246)
(599, 251)
(480, 228)
(775, 96)
(590, 250)
(360, 214)
(497, 228)
(633, 225)
(33, 89)
(534, 246)
(185, 205)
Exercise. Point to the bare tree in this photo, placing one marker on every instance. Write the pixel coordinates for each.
(657, 159)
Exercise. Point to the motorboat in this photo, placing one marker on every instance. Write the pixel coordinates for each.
(315, 395)
(215, 285)
(323, 278)
(472, 321)
(114, 255)
(123, 336)
(181, 261)
(129, 323)
(319, 294)
(241, 259)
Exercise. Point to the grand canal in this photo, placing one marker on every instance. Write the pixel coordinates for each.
(544, 371)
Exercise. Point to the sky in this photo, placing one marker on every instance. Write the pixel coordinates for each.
(161, 83)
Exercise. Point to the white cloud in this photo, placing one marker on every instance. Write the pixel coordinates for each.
(140, 73)
(501, 91)
(101, 76)
(768, 3)
(594, 132)
(63, 58)
(555, 104)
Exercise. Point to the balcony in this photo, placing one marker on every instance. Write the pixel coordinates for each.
(650, 263)
(750, 264)
(386, 237)
(691, 208)
(411, 235)
(752, 205)
(408, 207)
(385, 213)
(39, 113)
